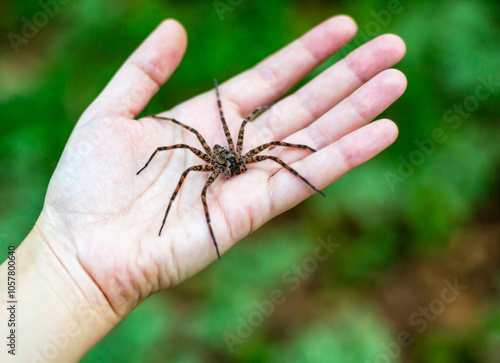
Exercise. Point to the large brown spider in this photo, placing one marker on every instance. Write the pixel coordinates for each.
(221, 159)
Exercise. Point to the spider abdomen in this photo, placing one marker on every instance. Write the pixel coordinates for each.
(231, 165)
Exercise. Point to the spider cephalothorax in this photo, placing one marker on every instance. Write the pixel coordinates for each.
(221, 159)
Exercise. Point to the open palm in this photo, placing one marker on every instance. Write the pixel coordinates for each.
(106, 218)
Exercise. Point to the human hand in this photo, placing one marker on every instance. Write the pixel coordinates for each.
(101, 219)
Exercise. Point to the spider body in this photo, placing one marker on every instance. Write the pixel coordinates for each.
(228, 160)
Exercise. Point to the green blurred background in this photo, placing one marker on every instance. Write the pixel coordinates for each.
(406, 222)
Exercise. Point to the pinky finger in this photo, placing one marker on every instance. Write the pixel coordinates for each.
(330, 163)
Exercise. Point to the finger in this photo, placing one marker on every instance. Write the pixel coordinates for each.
(366, 103)
(274, 76)
(330, 87)
(141, 76)
(329, 164)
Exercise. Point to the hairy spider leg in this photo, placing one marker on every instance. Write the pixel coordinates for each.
(197, 152)
(241, 133)
(263, 147)
(203, 142)
(181, 180)
(258, 158)
(209, 182)
(223, 120)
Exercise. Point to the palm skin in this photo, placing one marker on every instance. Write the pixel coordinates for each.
(102, 220)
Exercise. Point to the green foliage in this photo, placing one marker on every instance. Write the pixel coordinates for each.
(335, 314)
(354, 335)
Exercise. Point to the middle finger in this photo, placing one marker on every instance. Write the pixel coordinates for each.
(333, 85)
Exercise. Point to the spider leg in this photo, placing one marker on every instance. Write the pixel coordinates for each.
(203, 142)
(239, 143)
(258, 158)
(209, 182)
(181, 180)
(197, 152)
(262, 147)
(223, 120)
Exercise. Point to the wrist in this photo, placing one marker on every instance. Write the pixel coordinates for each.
(61, 312)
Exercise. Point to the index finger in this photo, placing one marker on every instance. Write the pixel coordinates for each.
(274, 76)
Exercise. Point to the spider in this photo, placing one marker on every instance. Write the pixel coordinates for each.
(221, 159)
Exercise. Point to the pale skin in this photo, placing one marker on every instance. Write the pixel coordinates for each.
(94, 253)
